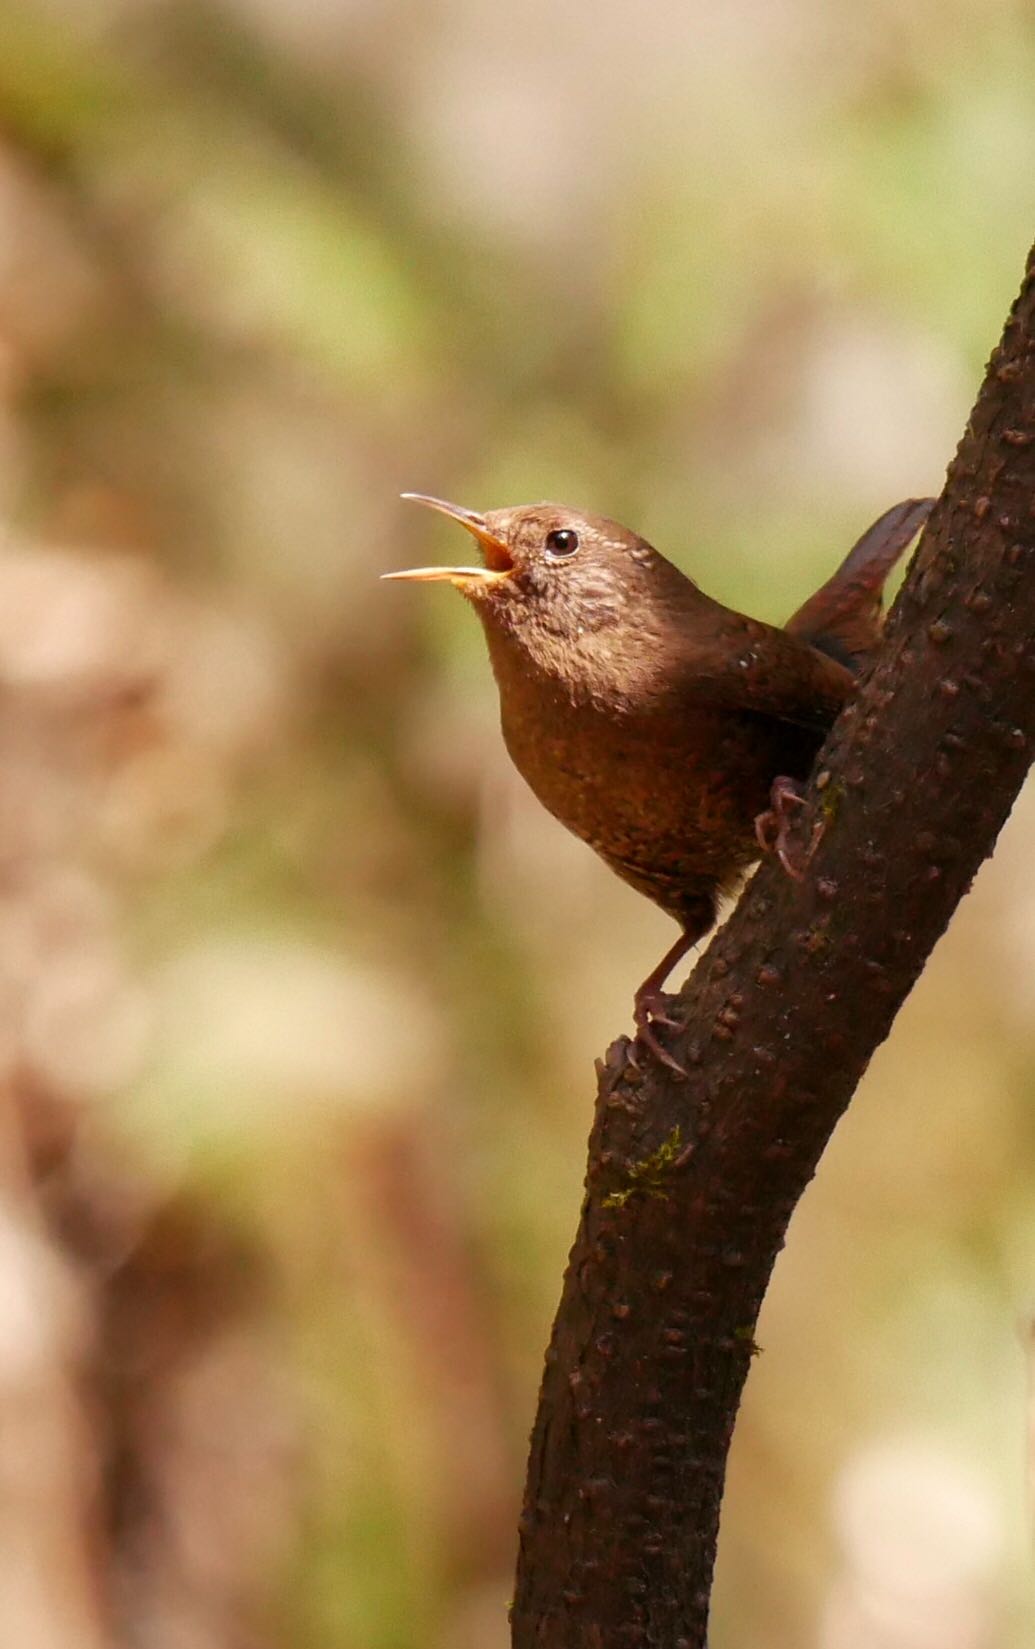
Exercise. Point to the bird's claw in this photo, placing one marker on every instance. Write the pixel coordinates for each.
(648, 1011)
(772, 828)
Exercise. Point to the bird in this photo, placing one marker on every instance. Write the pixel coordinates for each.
(669, 732)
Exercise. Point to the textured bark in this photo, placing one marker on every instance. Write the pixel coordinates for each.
(691, 1183)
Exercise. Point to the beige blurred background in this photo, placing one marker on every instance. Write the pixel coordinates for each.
(299, 990)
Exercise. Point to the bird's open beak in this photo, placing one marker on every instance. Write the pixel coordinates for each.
(498, 559)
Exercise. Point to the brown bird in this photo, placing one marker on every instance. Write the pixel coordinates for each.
(666, 730)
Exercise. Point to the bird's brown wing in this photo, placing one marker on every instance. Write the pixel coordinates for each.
(747, 665)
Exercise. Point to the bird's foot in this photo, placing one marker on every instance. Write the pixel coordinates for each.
(772, 828)
(649, 1005)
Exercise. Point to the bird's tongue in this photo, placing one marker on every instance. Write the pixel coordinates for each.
(498, 558)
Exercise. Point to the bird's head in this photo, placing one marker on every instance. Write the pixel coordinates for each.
(551, 567)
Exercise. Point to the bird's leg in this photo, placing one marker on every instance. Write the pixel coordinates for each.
(650, 1001)
(772, 828)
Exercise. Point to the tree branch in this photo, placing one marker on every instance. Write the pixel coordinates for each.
(691, 1184)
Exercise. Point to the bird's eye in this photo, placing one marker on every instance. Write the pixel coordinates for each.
(561, 543)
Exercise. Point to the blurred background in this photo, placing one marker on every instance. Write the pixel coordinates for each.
(299, 989)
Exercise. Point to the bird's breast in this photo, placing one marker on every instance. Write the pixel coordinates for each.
(667, 791)
(667, 803)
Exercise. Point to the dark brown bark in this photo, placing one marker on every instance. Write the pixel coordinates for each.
(691, 1184)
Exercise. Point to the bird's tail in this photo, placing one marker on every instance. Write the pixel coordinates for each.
(844, 618)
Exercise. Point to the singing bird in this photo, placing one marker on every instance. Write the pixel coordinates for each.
(666, 730)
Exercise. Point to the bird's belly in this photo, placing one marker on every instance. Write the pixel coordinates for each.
(671, 811)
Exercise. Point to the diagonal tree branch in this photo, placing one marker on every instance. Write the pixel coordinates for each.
(691, 1184)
